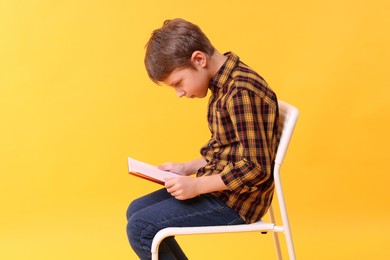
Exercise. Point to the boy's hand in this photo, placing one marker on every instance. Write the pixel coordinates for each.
(184, 169)
(178, 168)
(182, 188)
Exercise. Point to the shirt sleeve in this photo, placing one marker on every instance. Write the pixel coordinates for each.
(253, 122)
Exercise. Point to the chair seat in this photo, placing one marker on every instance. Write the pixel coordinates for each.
(171, 231)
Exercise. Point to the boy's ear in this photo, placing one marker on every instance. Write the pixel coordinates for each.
(199, 58)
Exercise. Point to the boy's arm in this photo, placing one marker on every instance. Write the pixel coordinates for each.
(254, 124)
(185, 187)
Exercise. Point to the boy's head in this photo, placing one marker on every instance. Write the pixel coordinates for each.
(172, 46)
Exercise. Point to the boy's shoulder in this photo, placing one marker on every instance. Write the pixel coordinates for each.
(245, 78)
(243, 73)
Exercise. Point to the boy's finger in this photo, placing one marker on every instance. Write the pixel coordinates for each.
(167, 182)
(165, 166)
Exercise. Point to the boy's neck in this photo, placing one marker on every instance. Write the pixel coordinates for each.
(215, 62)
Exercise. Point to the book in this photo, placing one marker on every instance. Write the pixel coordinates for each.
(148, 172)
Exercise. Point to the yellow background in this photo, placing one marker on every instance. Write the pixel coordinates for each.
(75, 101)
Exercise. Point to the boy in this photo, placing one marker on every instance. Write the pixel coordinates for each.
(234, 182)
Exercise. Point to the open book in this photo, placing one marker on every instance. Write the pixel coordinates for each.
(148, 172)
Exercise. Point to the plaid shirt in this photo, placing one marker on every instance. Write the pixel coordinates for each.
(243, 119)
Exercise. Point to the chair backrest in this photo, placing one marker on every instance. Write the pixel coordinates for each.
(288, 116)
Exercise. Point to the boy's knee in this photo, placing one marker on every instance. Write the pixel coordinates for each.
(134, 226)
(133, 208)
(138, 234)
(130, 211)
(139, 228)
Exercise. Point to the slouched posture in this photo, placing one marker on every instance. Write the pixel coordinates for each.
(233, 182)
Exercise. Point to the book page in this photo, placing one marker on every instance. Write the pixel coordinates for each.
(148, 171)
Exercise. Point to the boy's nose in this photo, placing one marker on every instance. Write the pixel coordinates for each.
(180, 93)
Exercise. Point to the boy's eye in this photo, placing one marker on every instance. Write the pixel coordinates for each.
(177, 84)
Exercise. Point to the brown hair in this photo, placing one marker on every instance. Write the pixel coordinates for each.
(171, 47)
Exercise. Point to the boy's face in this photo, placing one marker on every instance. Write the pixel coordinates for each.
(189, 82)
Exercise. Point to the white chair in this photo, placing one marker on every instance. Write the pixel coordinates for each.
(288, 116)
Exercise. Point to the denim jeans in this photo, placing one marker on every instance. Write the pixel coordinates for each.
(155, 211)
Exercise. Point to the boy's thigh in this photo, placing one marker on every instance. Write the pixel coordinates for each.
(203, 210)
(147, 201)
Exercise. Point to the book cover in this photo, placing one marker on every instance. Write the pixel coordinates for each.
(148, 172)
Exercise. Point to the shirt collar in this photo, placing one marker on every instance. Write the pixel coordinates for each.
(222, 76)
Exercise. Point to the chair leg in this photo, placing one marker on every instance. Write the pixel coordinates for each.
(290, 245)
(155, 247)
(286, 223)
(275, 234)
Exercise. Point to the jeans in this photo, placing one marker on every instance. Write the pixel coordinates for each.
(157, 210)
